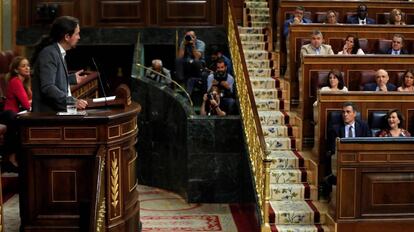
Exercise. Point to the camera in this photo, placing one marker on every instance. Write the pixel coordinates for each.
(210, 96)
(220, 76)
(188, 38)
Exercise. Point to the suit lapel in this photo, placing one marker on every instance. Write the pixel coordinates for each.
(62, 60)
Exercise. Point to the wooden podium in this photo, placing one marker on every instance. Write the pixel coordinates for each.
(78, 173)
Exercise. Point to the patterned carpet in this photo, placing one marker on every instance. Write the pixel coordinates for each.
(164, 211)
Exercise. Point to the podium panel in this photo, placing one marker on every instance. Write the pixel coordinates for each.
(59, 183)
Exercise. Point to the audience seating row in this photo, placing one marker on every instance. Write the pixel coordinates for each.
(338, 33)
(357, 71)
(371, 106)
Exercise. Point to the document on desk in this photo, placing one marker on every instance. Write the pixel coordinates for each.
(104, 99)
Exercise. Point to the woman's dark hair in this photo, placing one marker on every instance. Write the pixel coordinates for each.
(402, 79)
(338, 75)
(399, 115)
(356, 46)
(60, 27)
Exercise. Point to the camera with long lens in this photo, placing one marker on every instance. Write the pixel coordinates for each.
(220, 76)
(188, 38)
(210, 96)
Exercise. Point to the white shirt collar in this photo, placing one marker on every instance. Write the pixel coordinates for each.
(362, 20)
(62, 50)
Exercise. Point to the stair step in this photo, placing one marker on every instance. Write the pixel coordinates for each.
(251, 30)
(256, 4)
(258, 24)
(280, 143)
(286, 160)
(290, 176)
(260, 72)
(293, 192)
(253, 37)
(276, 131)
(263, 83)
(272, 118)
(294, 212)
(257, 55)
(258, 11)
(253, 64)
(267, 93)
(299, 228)
(268, 104)
(255, 46)
(280, 131)
(258, 18)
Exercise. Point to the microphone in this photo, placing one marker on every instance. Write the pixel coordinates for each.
(100, 81)
(164, 76)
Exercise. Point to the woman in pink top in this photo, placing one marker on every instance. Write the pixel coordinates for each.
(17, 98)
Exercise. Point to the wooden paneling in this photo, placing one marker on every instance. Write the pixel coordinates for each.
(129, 13)
(197, 12)
(376, 195)
(121, 12)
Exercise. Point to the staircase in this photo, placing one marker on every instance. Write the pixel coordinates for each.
(294, 205)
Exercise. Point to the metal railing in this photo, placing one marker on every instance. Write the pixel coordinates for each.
(256, 145)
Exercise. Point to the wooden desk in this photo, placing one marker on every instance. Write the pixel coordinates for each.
(58, 162)
(375, 185)
(366, 102)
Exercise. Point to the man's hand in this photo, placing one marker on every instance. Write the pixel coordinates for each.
(225, 84)
(205, 98)
(383, 88)
(81, 104)
(296, 20)
(80, 75)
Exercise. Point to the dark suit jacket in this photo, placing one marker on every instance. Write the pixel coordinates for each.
(373, 87)
(289, 21)
(402, 52)
(354, 20)
(338, 131)
(50, 81)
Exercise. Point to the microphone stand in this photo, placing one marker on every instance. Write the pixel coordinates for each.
(174, 82)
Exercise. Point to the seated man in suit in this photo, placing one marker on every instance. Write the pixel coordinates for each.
(350, 127)
(397, 45)
(361, 17)
(296, 19)
(316, 46)
(381, 82)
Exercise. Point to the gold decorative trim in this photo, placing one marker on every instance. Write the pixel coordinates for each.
(116, 127)
(100, 225)
(115, 183)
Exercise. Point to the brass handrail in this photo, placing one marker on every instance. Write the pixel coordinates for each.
(252, 129)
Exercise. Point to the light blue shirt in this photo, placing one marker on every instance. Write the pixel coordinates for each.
(347, 130)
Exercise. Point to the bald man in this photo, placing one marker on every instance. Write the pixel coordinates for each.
(381, 82)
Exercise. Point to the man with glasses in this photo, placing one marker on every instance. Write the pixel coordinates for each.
(397, 46)
(361, 17)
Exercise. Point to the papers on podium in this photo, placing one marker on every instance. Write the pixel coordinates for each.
(103, 99)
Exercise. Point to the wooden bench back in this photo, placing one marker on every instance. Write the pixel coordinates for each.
(336, 34)
(357, 71)
(367, 103)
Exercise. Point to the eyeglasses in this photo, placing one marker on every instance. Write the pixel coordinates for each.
(398, 42)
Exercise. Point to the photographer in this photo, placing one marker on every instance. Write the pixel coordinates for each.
(224, 82)
(190, 57)
(211, 103)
